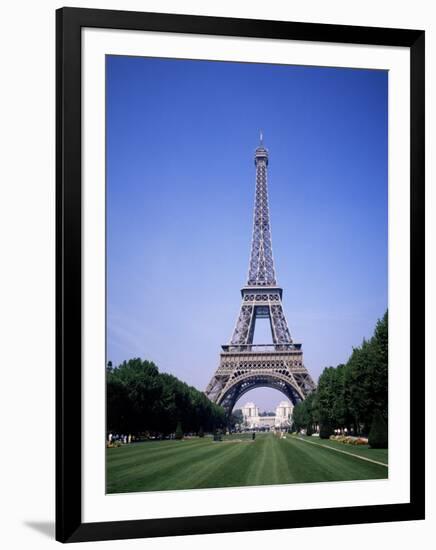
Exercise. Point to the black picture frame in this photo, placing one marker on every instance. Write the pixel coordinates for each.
(69, 22)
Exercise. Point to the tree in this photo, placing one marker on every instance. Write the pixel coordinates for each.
(325, 429)
(380, 366)
(140, 398)
(119, 411)
(348, 395)
(367, 377)
(327, 394)
(179, 431)
(378, 435)
(236, 418)
(304, 415)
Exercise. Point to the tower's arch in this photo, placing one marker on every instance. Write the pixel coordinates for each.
(240, 385)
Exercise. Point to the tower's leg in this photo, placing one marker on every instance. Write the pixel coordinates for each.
(244, 329)
(281, 334)
(214, 388)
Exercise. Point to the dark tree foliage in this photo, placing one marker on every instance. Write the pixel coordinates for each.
(179, 431)
(236, 418)
(119, 411)
(140, 398)
(325, 429)
(348, 395)
(305, 414)
(378, 435)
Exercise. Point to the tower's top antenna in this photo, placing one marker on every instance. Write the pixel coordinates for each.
(261, 153)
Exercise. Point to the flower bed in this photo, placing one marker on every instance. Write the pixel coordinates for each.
(349, 439)
(113, 444)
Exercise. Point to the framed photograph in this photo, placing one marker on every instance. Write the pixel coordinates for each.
(204, 383)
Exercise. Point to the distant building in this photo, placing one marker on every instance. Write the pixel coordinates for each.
(249, 411)
(284, 414)
(282, 418)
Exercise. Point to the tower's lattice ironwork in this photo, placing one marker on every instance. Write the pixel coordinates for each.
(243, 365)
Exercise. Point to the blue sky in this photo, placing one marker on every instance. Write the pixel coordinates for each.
(180, 190)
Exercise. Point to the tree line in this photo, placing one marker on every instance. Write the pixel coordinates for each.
(351, 395)
(140, 399)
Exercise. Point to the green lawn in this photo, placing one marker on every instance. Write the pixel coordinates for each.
(379, 455)
(235, 462)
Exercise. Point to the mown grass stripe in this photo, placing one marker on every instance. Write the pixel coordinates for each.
(221, 471)
(124, 455)
(340, 451)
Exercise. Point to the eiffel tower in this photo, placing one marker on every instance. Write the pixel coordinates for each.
(243, 365)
